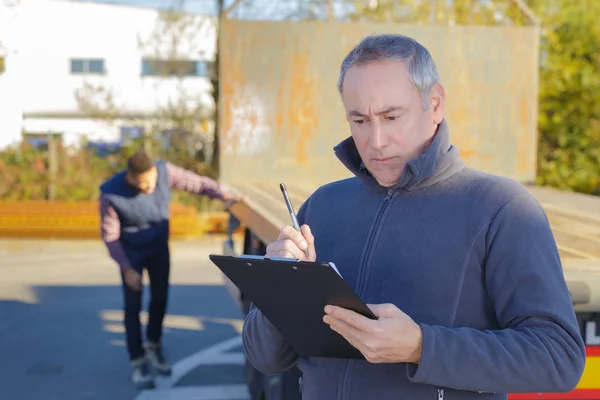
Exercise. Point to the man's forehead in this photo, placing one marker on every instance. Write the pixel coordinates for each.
(145, 175)
(379, 85)
(376, 72)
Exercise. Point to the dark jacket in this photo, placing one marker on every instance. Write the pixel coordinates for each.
(468, 255)
(144, 218)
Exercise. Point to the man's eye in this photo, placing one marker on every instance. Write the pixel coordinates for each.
(392, 117)
(359, 121)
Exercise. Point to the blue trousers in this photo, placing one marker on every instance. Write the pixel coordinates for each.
(157, 262)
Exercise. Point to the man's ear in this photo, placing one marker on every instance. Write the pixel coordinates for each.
(437, 96)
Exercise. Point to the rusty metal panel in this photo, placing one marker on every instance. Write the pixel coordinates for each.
(281, 113)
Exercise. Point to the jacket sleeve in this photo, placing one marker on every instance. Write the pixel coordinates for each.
(539, 347)
(264, 346)
(111, 233)
(188, 181)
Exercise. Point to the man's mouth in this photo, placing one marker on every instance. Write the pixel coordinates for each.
(383, 160)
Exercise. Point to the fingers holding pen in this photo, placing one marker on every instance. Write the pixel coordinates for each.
(310, 241)
(293, 244)
(285, 248)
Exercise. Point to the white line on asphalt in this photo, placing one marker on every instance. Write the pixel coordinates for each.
(213, 355)
(222, 392)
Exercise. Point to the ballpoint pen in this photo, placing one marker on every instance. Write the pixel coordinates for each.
(290, 208)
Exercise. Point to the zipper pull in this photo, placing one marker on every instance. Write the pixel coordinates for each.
(300, 384)
(389, 195)
(440, 395)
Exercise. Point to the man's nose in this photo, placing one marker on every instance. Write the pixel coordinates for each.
(377, 138)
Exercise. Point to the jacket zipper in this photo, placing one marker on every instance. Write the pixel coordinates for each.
(360, 286)
(440, 394)
(360, 279)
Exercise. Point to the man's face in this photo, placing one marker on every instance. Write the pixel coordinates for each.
(386, 116)
(144, 182)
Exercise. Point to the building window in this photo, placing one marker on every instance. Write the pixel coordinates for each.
(154, 67)
(40, 140)
(103, 149)
(87, 66)
(130, 132)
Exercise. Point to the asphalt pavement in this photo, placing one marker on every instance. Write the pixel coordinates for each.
(61, 331)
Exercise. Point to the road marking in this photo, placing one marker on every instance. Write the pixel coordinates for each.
(114, 321)
(222, 392)
(217, 354)
(18, 292)
(213, 355)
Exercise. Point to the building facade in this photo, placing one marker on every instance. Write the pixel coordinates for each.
(100, 72)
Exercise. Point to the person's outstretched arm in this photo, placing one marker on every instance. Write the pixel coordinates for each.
(186, 180)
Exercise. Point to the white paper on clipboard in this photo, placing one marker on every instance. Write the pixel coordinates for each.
(332, 265)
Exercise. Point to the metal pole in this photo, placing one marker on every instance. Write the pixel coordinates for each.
(53, 165)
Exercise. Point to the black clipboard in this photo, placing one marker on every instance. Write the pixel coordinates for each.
(292, 294)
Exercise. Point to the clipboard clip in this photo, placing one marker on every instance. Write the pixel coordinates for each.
(285, 259)
(255, 257)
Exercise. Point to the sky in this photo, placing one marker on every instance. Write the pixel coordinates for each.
(207, 7)
(247, 9)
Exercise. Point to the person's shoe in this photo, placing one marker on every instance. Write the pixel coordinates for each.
(157, 359)
(140, 374)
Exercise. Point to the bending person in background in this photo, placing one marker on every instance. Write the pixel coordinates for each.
(134, 215)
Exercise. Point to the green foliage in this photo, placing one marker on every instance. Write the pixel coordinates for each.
(24, 174)
(569, 121)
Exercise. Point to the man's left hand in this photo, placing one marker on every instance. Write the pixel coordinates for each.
(392, 338)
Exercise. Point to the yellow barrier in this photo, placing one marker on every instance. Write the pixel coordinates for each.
(63, 219)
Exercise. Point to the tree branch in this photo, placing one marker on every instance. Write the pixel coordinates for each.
(227, 10)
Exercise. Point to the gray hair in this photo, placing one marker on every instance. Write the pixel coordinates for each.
(419, 63)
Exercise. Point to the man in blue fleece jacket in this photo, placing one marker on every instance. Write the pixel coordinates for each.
(460, 266)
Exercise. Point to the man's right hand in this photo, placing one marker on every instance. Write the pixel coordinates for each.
(133, 279)
(291, 244)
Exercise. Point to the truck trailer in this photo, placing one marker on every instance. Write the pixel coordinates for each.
(280, 117)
